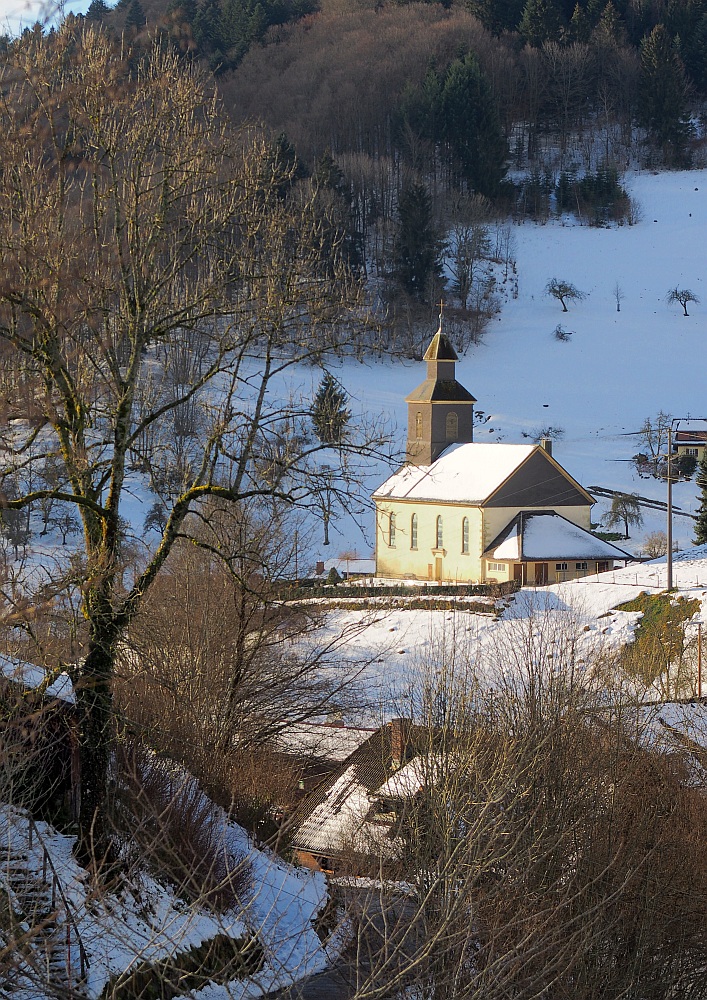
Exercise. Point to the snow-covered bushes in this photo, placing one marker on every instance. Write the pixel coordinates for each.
(164, 820)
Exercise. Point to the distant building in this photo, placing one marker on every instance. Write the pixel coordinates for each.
(691, 440)
(469, 512)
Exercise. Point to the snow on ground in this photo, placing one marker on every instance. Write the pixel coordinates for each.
(394, 653)
(150, 923)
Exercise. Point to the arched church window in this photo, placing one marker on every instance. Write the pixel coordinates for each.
(452, 426)
(418, 425)
(391, 531)
(413, 531)
(439, 535)
(465, 535)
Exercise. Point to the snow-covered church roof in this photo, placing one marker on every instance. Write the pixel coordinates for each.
(545, 535)
(471, 473)
(463, 473)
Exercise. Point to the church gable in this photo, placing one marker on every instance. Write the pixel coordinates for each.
(539, 482)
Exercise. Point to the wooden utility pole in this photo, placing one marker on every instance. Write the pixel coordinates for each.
(669, 531)
(699, 659)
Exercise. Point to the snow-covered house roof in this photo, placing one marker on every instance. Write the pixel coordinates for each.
(545, 536)
(332, 818)
(477, 473)
(310, 739)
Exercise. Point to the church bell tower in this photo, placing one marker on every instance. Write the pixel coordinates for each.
(440, 409)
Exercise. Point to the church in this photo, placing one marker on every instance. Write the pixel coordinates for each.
(461, 511)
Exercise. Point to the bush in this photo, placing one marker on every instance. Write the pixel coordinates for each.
(561, 334)
(161, 816)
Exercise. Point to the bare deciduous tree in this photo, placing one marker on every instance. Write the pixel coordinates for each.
(143, 242)
(683, 296)
(564, 292)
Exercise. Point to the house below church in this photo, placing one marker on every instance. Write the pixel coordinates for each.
(463, 511)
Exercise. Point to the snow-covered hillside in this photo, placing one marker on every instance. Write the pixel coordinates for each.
(144, 921)
(399, 650)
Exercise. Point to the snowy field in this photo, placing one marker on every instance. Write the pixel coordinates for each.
(400, 652)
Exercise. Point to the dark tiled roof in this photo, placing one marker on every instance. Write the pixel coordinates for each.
(440, 390)
(314, 822)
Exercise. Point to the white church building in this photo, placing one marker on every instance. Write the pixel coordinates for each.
(461, 511)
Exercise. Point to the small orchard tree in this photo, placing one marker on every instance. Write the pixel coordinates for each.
(625, 509)
(683, 296)
(701, 522)
(564, 292)
(655, 544)
(618, 294)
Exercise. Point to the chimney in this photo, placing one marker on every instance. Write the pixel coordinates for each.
(399, 738)
(546, 445)
(319, 567)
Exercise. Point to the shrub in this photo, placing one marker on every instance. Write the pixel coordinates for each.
(162, 816)
(561, 334)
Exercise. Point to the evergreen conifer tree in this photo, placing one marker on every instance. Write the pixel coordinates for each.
(541, 22)
(418, 249)
(471, 126)
(135, 17)
(701, 522)
(329, 414)
(662, 106)
(97, 10)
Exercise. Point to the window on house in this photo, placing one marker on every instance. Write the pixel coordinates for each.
(560, 566)
(418, 424)
(391, 531)
(692, 451)
(413, 531)
(581, 565)
(497, 567)
(439, 535)
(465, 535)
(452, 426)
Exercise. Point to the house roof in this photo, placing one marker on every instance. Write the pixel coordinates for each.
(330, 819)
(546, 535)
(325, 742)
(476, 473)
(698, 437)
(31, 677)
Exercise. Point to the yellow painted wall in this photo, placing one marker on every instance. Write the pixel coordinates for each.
(400, 561)
(403, 562)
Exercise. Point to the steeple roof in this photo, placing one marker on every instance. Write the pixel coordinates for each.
(440, 348)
